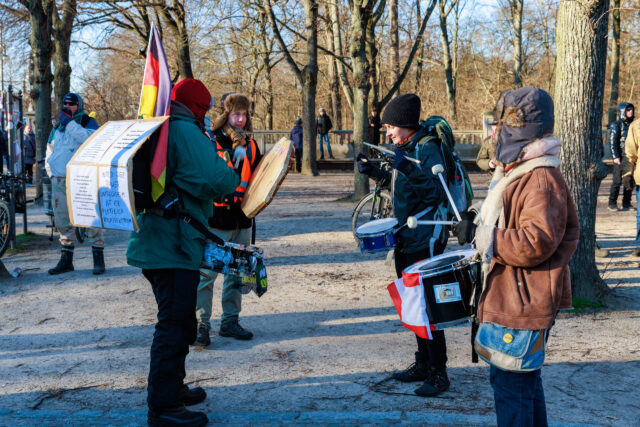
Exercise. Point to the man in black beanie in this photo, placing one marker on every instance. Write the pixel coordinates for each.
(416, 189)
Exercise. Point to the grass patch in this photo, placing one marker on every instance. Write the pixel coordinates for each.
(24, 242)
(347, 199)
(585, 306)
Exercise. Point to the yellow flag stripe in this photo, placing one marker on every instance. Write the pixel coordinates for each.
(148, 101)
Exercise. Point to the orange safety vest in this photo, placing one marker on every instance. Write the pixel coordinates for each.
(245, 173)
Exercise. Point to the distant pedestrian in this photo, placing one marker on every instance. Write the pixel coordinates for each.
(374, 127)
(631, 173)
(4, 150)
(29, 152)
(323, 126)
(617, 136)
(296, 137)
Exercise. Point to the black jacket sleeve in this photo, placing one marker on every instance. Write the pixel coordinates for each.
(614, 140)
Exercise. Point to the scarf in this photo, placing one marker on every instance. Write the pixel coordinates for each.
(238, 136)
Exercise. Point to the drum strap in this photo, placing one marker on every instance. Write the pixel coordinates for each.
(474, 331)
(171, 214)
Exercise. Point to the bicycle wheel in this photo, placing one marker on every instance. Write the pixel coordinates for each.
(5, 226)
(371, 208)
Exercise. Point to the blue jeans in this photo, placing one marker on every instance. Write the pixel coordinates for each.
(519, 398)
(637, 217)
(324, 136)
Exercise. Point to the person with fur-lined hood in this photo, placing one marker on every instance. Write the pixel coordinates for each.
(525, 232)
(228, 221)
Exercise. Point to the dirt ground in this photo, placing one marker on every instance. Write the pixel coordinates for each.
(326, 340)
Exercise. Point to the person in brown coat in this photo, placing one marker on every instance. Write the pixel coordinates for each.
(526, 232)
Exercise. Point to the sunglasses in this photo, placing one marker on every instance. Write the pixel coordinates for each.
(69, 103)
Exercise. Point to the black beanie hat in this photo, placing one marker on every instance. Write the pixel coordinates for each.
(403, 111)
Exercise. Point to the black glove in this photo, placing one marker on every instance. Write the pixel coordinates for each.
(364, 164)
(65, 116)
(628, 182)
(465, 230)
(401, 163)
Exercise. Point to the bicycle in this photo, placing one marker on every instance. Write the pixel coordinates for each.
(375, 205)
(6, 219)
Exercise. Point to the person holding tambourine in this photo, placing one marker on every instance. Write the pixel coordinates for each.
(415, 189)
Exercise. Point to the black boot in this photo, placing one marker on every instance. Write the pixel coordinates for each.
(98, 260)
(193, 396)
(231, 328)
(178, 416)
(203, 339)
(415, 372)
(436, 382)
(66, 261)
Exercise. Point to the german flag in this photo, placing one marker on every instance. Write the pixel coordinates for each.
(155, 100)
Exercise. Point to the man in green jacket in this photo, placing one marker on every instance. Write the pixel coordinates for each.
(170, 251)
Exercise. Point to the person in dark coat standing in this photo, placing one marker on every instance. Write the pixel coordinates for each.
(323, 126)
(29, 152)
(4, 150)
(416, 189)
(374, 127)
(617, 136)
(296, 137)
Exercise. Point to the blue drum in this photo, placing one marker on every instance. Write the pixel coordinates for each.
(377, 235)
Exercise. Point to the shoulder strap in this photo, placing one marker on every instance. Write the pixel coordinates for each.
(84, 121)
(200, 227)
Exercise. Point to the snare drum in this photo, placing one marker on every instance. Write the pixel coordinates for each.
(449, 280)
(377, 235)
(232, 258)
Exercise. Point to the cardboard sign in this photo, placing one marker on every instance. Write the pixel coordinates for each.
(267, 177)
(99, 187)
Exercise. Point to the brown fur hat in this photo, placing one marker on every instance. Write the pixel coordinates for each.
(233, 102)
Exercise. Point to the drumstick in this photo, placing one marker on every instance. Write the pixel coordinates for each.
(412, 222)
(437, 170)
(389, 152)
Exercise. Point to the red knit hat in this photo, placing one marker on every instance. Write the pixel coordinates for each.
(195, 95)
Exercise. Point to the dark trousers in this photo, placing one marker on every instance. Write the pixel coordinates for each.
(615, 189)
(298, 152)
(175, 291)
(28, 168)
(519, 398)
(432, 351)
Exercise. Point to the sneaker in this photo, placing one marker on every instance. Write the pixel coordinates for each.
(202, 339)
(193, 396)
(332, 158)
(417, 371)
(436, 383)
(178, 416)
(613, 208)
(636, 252)
(232, 329)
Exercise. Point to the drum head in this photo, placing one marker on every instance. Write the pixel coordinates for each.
(377, 226)
(441, 262)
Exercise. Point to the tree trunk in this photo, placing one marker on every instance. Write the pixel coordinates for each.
(448, 63)
(360, 17)
(334, 83)
(62, 28)
(174, 17)
(395, 40)
(612, 113)
(309, 76)
(420, 59)
(516, 16)
(581, 33)
(41, 52)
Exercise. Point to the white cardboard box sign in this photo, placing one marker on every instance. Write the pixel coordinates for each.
(99, 175)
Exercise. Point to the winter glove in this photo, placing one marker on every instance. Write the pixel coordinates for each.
(364, 164)
(401, 163)
(628, 182)
(65, 117)
(465, 230)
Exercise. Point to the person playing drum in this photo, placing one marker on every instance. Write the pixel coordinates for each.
(526, 232)
(415, 189)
